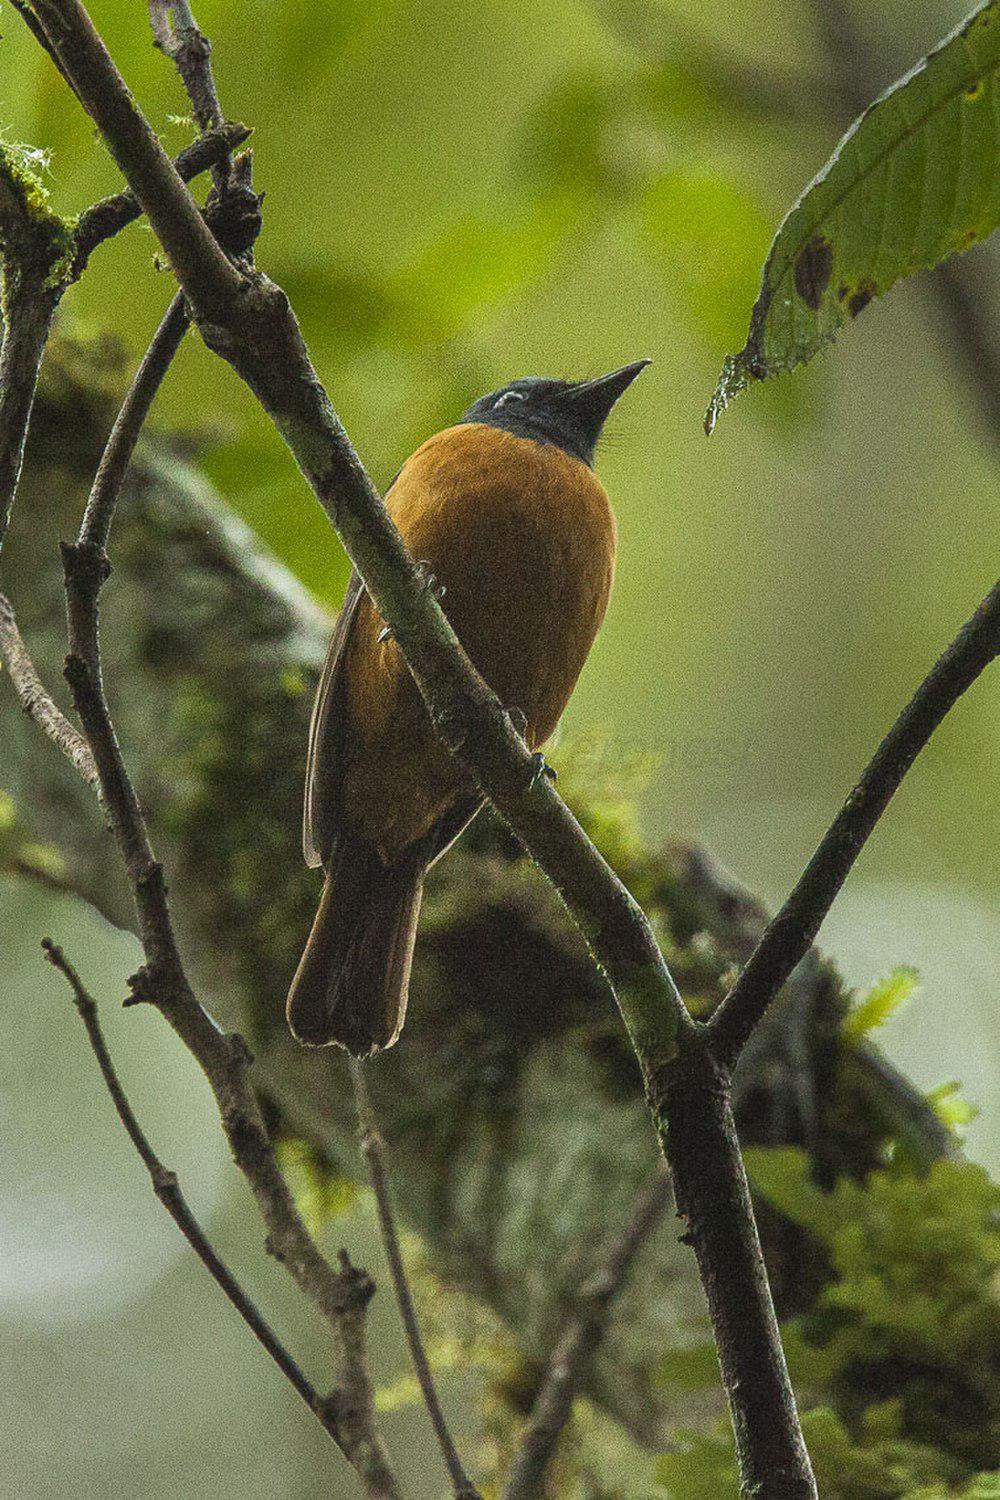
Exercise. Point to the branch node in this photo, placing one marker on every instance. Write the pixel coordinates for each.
(359, 1287)
(86, 566)
(145, 988)
(239, 1050)
(234, 215)
(164, 1180)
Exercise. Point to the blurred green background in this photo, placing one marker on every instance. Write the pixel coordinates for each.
(458, 195)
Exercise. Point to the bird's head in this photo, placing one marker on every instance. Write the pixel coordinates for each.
(569, 413)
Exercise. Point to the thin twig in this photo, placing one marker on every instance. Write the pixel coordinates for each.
(791, 932)
(33, 252)
(373, 1151)
(168, 1191)
(224, 1059)
(128, 425)
(37, 703)
(578, 1341)
(28, 318)
(178, 36)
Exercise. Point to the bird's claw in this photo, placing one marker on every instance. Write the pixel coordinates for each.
(540, 769)
(432, 583)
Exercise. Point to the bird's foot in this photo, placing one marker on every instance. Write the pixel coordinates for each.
(540, 769)
(432, 583)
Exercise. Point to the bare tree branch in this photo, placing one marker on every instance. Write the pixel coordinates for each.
(30, 20)
(792, 930)
(168, 1191)
(37, 703)
(176, 33)
(373, 1151)
(224, 1059)
(128, 425)
(579, 1339)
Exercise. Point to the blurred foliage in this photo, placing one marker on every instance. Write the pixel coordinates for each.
(882, 1002)
(900, 1353)
(912, 181)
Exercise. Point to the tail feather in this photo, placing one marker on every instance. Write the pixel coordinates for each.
(350, 988)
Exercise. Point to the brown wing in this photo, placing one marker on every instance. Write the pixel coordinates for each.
(326, 740)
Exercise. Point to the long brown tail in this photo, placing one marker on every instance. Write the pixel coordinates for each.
(351, 984)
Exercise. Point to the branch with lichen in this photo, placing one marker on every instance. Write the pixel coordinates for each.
(35, 246)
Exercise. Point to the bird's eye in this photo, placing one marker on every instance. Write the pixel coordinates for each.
(507, 396)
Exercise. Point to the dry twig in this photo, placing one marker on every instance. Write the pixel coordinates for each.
(373, 1151)
(168, 1191)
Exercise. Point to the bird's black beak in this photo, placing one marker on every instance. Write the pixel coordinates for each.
(592, 400)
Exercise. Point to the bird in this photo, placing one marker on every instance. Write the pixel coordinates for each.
(517, 536)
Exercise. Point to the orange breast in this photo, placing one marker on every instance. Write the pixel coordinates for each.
(523, 538)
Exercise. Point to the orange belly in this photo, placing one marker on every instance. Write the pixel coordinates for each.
(522, 536)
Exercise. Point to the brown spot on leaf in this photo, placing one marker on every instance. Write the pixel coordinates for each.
(859, 299)
(812, 270)
(974, 91)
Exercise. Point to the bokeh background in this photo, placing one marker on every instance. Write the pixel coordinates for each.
(458, 195)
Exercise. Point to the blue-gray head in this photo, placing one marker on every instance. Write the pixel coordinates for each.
(569, 413)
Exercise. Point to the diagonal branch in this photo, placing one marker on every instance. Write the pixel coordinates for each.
(129, 423)
(168, 1191)
(576, 1345)
(792, 930)
(372, 1149)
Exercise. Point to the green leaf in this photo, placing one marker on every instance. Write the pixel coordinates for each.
(914, 179)
(951, 1107)
(881, 1002)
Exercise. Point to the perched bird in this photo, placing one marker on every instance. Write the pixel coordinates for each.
(506, 512)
